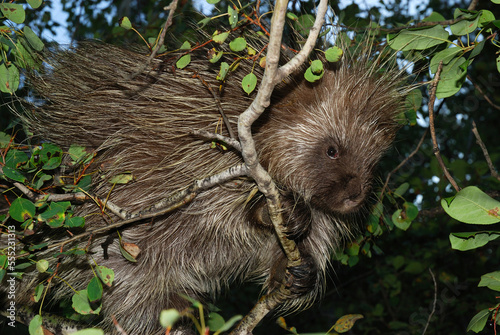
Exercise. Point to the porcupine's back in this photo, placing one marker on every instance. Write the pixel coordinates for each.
(139, 123)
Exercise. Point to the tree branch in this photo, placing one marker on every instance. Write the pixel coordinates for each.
(272, 76)
(435, 147)
(493, 171)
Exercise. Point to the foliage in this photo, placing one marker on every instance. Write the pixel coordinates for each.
(385, 273)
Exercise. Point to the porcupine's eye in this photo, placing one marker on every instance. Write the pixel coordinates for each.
(332, 152)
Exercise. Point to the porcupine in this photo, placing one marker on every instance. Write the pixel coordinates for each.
(320, 143)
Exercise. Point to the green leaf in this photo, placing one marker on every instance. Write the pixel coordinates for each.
(333, 54)
(169, 317)
(107, 275)
(346, 322)
(84, 184)
(203, 23)
(479, 320)
(465, 26)
(434, 17)
(35, 327)
(418, 39)
(311, 77)
(13, 12)
(23, 56)
(401, 189)
(34, 41)
(238, 44)
(48, 156)
(185, 46)
(38, 246)
(94, 290)
(127, 255)
(485, 17)
(22, 209)
(213, 2)
(9, 78)
(34, 3)
(81, 304)
(471, 240)
(13, 174)
(317, 67)
(452, 78)
(215, 321)
(183, 61)
(233, 16)
(490, 280)
(292, 16)
(89, 331)
(4, 140)
(123, 178)
(249, 83)
(445, 56)
(42, 265)
(38, 292)
(400, 221)
(41, 180)
(471, 205)
(214, 56)
(352, 249)
(224, 68)
(498, 63)
(229, 323)
(304, 23)
(478, 47)
(125, 23)
(74, 222)
(80, 155)
(220, 37)
(55, 214)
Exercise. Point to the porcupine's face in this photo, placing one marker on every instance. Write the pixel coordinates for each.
(325, 145)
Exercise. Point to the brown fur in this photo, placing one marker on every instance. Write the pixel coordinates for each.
(143, 125)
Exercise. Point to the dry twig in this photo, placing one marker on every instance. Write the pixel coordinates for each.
(493, 171)
(435, 145)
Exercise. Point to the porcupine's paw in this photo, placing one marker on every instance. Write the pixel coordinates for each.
(302, 279)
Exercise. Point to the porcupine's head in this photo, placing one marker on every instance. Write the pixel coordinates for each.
(321, 142)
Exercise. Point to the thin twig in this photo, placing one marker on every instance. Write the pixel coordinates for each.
(171, 8)
(435, 145)
(400, 165)
(213, 136)
(484, 94)
(165, 206)
(493, 171)
(219, 105)
(433, 304)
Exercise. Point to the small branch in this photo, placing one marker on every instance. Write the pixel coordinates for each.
(167, 205)
(213, 136)
(80, 196)
(219, 105)
(180, 198)
(473, 5)
(265, 305)
(435, 147)
(171, 8)
(413, 26)
(493, 171)
(433, 304)
(483, 94)
(402, 164)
